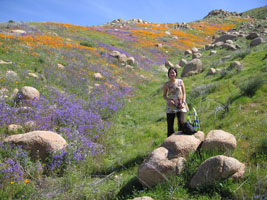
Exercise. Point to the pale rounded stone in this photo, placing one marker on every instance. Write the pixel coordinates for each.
(217, 168)
(219, 139)
(39, 143)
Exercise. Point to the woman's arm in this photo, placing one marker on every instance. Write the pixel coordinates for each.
(165, 92)
(184, 93)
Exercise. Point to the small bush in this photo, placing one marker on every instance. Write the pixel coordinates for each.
(88, 44)
(250, 86)
(201, 90)
(242, 53)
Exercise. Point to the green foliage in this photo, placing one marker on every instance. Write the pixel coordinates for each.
(88, 44)
(202, 90)
(251, 85)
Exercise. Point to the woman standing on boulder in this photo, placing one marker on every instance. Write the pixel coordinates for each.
(174, 94)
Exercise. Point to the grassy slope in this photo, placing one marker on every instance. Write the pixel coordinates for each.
(140, 126)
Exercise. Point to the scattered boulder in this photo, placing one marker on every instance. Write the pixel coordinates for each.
(18, 31)
(182, 145)
(235, 65)
(122, 58)
(159, 45)
(33, 75)
(256, 42)
(13, 128)
(219, 44)
(29, 125)
(224, 37)
(115, 54)
(11, 75)
(169, 64)
(252, 36)
(229, 42)
(194, 50)
(143, 198)
(5, 63)
(229, 46)
(212, 71)
(39, 143)
(27, 93)
(219, 139)
(212, 52)
(209, 46)
(60, 66)
(217, 168)
(182, 62)
(196, 55)
(98, 76)
(168, 32)
(187, 52)
(192, 67)
(163, 68)
(130, 60)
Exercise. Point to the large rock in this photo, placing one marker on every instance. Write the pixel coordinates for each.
(225, 37)
(181, 145)
(256, 42)
(252, 36)
(157, 167)
(219, 139)
(39, 143)
(27, 93)
(192, 67)
(217, 168)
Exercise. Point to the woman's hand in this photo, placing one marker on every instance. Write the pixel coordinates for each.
(171, 102)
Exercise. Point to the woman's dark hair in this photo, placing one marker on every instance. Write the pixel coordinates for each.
(172, 68)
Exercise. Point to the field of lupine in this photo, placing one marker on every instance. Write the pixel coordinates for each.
(61, 61)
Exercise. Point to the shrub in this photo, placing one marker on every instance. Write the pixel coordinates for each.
(201, 90)
(242, 53)
(88, 44)
(250, 86)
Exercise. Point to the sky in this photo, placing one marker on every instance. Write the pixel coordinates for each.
(99, 12)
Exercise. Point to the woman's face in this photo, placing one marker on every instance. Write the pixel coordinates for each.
(172, 74)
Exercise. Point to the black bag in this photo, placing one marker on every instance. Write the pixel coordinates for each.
(188, 128)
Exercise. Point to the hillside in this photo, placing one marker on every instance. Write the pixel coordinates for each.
(101, 90)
